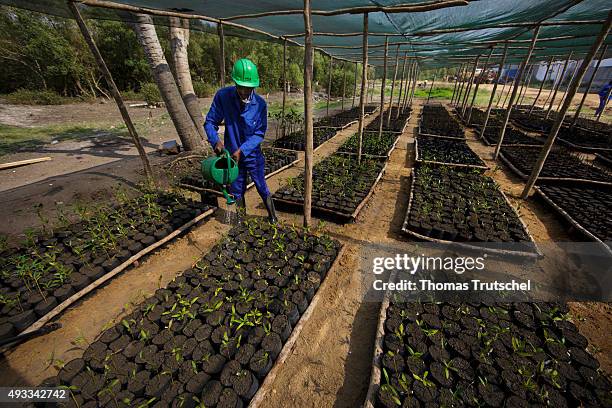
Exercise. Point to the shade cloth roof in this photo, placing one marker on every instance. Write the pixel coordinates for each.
(484, 23)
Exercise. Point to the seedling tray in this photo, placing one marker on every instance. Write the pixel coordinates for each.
(445, 236)
(585, 140)
(369, 148)
(398, 125)
(512, 137)
(441, 121)
(458, 354)
(446, 146)
(588, 211)
(219, 332)
(194, 181)
(297, 141)
(559, 166)
(291, 199)
(36, 307)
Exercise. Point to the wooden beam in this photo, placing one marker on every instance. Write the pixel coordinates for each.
(456, 87)
(399, 8)
(343, 85)
(541, 86)
(329, 82)
(469, 87)
(484, 70)
(403, 77)
(431, 87)
(221, 55)
(556, 87)
(416, 78)
(488, 114)
(535, 173)
(382, 90)
(113, 88)
(355, 84)
(517, 81)
(308, 114)
(4, 166)
(364, 79)
(567, 88)
(588, 87)
(284, 122)
(393, 87)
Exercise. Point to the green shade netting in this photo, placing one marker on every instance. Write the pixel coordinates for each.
(412, 30)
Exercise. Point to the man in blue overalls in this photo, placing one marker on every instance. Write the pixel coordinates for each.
(246, 119)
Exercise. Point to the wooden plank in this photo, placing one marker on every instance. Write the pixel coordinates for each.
(19, 163)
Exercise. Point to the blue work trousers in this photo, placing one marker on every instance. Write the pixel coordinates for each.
(255, 167)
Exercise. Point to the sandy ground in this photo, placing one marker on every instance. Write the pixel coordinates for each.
(330, 363)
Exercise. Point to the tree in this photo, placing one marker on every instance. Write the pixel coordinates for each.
(179, 41)
(145, 30)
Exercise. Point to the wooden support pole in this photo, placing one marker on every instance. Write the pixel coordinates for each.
(343, 86)
(222, 54)
(541, 85)
(417, 71)
(469, 87)
(113, 88)
(554, 95)
(588, 87)
(567, 87)
(479, 80)
(488, 114)
(355, 84)
(364, 81)
(430, 88)
(517, 80)
(411, 69)
(552, 86)
(457, 76)
(382, 90)
(508, 94)
(284, 122)
(535, 173)
(308, 113)
(329, 82)
(462, 85)
(393, 86)
(526, 84)
(401, 90)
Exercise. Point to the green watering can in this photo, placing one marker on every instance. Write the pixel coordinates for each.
(221, 170)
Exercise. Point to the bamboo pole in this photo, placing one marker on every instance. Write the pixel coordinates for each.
(605, 105)
(431, 87)
(403, 78)
(588, 87)
(526, 87)
(552, 85)
(484, 70)
(222, 55)
(408, 83)
(541, 85)
(554, 95)
(343, 86)
(456, 82)
(308, 113)
(488, 114)
(364, 79)
(355, 84)
(329, 83)
(469, 87)
(382, 90)
(393, 86)
(283, 121)
(566, 104)
(417, 71)
(463, 84)
(113, 88)
(517, 80)
(567, 87)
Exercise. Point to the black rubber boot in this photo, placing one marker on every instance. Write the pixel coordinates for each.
(271, 211)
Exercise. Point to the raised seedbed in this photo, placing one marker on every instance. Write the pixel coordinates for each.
(47, 274)
(297, 140)
(470, 354)
(585, 206)
(463, 206)
(277, 160)
(512, 137)
(437, 121)
(341, 186)
(585, 140)
(531, 123)
(451, 152)
(591, 125)
(345, 118)
(397, 124)
(560, 165)
(216, 335)
(371, 144)
(478, 118)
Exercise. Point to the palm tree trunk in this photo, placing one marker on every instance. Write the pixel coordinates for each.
(179, 41)
(145, 30)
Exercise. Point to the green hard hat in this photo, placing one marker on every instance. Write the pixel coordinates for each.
(245, 73)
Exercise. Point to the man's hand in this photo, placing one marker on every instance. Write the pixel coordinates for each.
(236, 155)
(219, 148)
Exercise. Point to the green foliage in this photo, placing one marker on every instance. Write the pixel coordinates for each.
(203, 89)
(150, 93)
(31, 97)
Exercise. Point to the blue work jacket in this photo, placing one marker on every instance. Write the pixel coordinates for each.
(244, 127)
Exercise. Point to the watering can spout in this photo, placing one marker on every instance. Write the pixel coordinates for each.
(222, 171)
